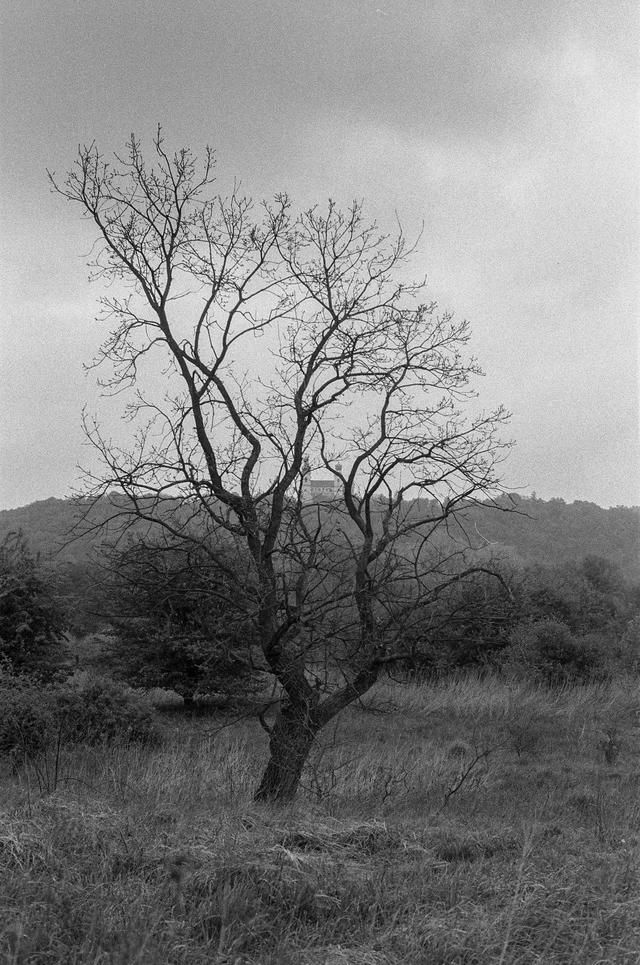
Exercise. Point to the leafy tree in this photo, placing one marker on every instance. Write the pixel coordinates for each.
(464, 626)
(288, 344)
(587, 596)
(180, 619)
(32, 621)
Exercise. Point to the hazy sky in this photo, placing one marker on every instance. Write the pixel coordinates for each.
(509, 128)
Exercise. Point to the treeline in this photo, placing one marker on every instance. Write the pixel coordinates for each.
(183, 618)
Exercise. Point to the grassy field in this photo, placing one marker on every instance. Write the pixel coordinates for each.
(468, 822)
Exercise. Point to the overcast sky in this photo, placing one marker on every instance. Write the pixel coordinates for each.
(509, 128)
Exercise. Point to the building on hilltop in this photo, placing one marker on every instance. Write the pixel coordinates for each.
(314, 489)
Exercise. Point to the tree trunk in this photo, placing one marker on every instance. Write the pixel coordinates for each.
(290, 743)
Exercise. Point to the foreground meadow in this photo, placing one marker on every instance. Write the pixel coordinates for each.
(466, 822)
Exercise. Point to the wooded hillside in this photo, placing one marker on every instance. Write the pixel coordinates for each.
(540, 531)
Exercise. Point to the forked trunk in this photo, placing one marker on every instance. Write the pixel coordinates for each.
(290, 743)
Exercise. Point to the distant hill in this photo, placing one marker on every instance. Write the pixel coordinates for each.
(540, 531)
(50, 526)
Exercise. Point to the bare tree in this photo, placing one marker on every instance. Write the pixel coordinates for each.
(289, 344)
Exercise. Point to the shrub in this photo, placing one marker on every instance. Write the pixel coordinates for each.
(84, 709)
(629, 646)
(27, 716)
(549, 653)
(95, 710)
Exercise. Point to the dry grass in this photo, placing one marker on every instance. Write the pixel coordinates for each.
(470, 822)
